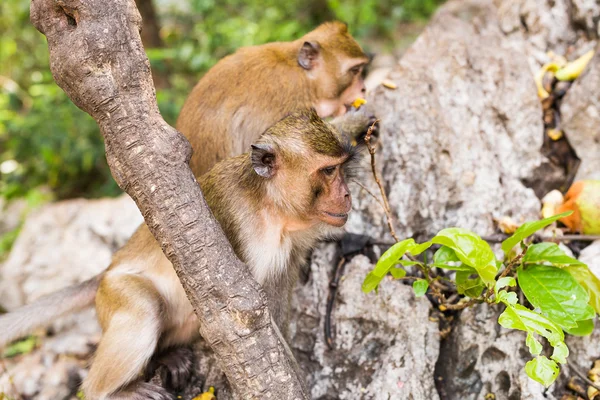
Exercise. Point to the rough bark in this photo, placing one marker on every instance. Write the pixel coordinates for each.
(97, 58)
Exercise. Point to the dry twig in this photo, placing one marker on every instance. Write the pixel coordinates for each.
(386, 204)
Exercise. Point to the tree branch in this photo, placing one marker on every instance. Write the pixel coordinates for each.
(97, 58)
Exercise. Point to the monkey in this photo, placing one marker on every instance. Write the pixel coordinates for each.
(248, 91)
(274, 203)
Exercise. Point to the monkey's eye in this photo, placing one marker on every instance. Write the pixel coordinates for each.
(356, 69)
(328, 171)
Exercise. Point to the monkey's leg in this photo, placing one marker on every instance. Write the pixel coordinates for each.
(128, 307)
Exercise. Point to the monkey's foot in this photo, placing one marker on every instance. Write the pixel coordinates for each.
(142, 391)
(173, 366)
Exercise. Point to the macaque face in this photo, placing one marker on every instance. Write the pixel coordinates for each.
(349, 86)
(332, 199)
(333, 62)
(303, 162)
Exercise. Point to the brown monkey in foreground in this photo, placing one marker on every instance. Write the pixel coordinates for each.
(250, 90)
(273, 203)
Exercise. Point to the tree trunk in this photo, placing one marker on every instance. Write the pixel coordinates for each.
(97, 58)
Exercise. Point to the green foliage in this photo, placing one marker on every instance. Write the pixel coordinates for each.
(380, 17)
(389, 259)
(420, 287)
(471, 250)
(54, 143)
(542, 370)
(556, 293)
(21, 347)
(563, 293)
(528, 229)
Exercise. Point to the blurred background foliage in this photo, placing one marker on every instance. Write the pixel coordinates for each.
(45, 141)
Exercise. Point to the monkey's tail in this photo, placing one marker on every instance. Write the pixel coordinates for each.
(46, 309)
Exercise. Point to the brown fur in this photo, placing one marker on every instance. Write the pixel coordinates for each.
(250, 90)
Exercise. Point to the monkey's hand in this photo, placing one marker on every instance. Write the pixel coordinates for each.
(174, 367)
(355, 123)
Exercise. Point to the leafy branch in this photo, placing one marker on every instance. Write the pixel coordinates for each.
(563, 293)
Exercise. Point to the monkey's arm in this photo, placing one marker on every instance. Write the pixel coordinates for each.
(46, 309)
(355, 123)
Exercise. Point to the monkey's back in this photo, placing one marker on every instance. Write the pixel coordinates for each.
(238, 99)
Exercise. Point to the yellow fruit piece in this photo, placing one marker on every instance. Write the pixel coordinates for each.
(539, 78)
(573, 69)
(210, 395)
(358, 102)
(389, 84)
(554, 134)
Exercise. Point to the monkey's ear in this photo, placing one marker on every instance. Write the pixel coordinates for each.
(308, 54)
(264, 160)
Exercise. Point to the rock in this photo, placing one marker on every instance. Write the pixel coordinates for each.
(63, 244)
(481, 357)
(385, 346)
(580, 111)
(460, 133)
(583, 351)
(586, 14)
(591, 256)
(11, 214)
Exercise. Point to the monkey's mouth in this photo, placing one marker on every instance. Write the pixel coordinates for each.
(335, 219)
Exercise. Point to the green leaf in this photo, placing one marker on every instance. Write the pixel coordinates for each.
(21, 347)
(506, 297)
(535, 347)
(503, 282)
(444, 255)
(446, 258)
(556, 293)
(391, 256)
(542, 370)
(371, 282)
(515, 316)
(583, 328)
(389, 259)
(468, 286)
(471, 250)
(398, 273)
(548, 252)
(420, 287)
(589, 282)
(528, 229)
(419, 248)
(560, 353)
(407, 263)
(460, 267)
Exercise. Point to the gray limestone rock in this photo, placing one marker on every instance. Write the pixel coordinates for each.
(580, 112)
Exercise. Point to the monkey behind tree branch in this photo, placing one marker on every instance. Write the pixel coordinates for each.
(273, 204)
(250, 90)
